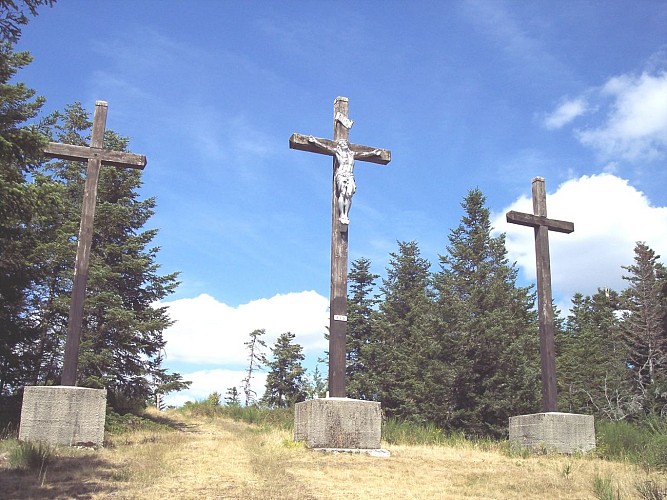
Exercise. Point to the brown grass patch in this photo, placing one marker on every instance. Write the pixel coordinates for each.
(220, 458)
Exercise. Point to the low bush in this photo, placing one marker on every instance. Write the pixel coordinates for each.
(641, 443)
(29, 455)
(282, 418)
(396, 431)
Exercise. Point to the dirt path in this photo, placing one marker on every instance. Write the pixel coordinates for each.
(216, 459)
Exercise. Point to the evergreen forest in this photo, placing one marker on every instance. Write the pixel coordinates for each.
(458, 345)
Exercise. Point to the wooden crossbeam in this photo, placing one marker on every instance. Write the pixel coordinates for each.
(523, 219)
(300, 142)
(72, 152)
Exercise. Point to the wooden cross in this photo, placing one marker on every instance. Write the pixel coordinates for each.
(542, 225)
(339, 234)
(95, 156)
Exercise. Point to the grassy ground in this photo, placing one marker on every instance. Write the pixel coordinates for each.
(203, 457)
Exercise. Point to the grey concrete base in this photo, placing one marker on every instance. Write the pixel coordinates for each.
(63, 415)
(378, 453)
(553, 431)
(339, 423)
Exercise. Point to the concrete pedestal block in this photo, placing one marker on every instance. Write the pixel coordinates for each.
(553, 431)
(338, 423)
(63, 415)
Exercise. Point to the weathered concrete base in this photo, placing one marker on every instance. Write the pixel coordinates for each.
(375, 452)
(553, 431)
(63, 415)
(339, 423)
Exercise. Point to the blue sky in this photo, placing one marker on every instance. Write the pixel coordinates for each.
(465, 94)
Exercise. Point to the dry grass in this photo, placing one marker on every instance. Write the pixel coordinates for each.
(219, 458)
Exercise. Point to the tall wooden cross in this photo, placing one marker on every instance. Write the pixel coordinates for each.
(344, 155)
(542, 225)
(95, 155)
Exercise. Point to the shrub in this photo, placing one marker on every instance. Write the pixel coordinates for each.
(29, 455)
(396, 431)
(643, 444)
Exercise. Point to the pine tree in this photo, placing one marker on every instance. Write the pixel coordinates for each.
(13, 16)
(400, 339)
(285, 384)
(316, 385)
(487, 352)
(122, 335)
(592, 359)
(20, 152)
(361, 308)
(256, 359)
(232, 397)
(644, 327)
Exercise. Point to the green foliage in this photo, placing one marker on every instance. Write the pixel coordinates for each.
(644, 444)
(458, 347)
(361, 343)
(316, 385)
(644, 327)
(603, 487)
(122, 334)
(285, 382)
(592, 359)
(13, 16)
(232, 397)
(400, 339)
(20, 152)
(30, 455)
(395, 431)
(282, 418)
(486, 342)
(256, 360)
(130, 422)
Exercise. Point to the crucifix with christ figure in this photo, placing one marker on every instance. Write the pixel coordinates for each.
(542, 225)
(343, 188)
(95, 155)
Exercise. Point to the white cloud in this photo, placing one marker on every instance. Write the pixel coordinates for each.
(636, 125)
(206, 382)
(210, 332)
(565, 113)
(609, 217)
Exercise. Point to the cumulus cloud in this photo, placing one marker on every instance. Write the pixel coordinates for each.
(627, 117)
(609, 217)
(565, 113)
(208, 331)
(206, 382)
(636, 125)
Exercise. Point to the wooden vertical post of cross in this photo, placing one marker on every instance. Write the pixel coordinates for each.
(542, 225)
(95, 155)
(342, 153)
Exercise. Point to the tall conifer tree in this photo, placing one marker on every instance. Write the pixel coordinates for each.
(256, 360)
(285, 383)
(122, 341)
(361, 310)
(401, 333)
(487, 329)
(592, 359)
(644, 327)
(20, 152)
